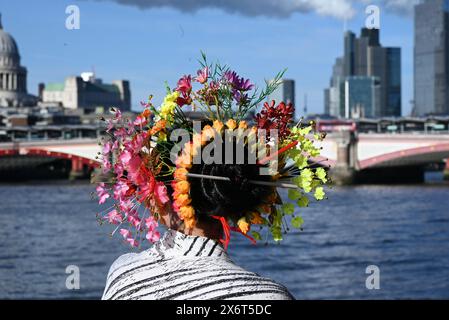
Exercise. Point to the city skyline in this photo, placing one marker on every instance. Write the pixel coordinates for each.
(154, 55)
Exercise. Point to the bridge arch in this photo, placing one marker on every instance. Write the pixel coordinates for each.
(414, 156)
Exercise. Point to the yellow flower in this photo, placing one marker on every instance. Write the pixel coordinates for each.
(243, 225)
(168, 106)
(231, 124)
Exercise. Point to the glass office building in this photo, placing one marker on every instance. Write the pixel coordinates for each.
(431, 87)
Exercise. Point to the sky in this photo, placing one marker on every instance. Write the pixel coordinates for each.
(149, 42)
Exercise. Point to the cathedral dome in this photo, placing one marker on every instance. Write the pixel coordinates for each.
(8, 45)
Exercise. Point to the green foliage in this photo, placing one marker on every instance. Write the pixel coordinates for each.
(297, 222)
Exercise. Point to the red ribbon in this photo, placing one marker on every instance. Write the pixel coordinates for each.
(227, 232)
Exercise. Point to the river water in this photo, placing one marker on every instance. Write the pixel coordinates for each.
(403, 230)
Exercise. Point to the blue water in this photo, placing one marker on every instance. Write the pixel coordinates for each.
(404, 230)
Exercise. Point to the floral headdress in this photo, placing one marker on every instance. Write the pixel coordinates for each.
(138, 165)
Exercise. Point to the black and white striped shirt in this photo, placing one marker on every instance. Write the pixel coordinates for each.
(186, 267)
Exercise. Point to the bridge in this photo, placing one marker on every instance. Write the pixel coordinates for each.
(383, 157)
(352, 156)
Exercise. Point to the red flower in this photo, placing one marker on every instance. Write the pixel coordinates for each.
(277, 118)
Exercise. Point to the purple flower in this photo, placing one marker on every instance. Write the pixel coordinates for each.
(236, 82)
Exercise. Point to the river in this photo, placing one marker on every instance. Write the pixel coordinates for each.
(403, 230)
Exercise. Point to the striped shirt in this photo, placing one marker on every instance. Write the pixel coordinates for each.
(185, 267)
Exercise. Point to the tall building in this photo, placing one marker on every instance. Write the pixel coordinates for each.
(87, 92)
(431, 88)
(13, 76)
(380, 68)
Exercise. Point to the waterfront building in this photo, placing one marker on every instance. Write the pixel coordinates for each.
(13, 76)
(431, 63)
(88, 93)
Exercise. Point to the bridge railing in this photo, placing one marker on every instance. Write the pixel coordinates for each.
(39, 133)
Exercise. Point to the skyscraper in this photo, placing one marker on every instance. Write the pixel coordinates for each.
(375, 67)
(431, 88)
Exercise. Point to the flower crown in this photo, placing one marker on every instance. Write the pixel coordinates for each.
(139, 158)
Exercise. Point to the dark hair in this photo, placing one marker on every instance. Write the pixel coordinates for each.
(227, 198)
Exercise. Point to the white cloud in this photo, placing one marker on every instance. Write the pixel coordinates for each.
(340, 9)
(272, 8)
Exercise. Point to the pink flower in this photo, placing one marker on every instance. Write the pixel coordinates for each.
(160, 193)
(135, 221)
(102, 193)
(202, 75)
(107, 147)
(133, 242)
(153, 236)
(140, 121)
(185, 85)
(118, 170)
(107, 166)
(110, 126)
(120, 132)
(125, 156)
(117, 114)
(120, 189)
(125, 233)
(126, 205)
(151, 223)
(114, 217)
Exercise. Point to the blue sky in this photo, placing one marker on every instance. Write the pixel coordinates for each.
(155, 45)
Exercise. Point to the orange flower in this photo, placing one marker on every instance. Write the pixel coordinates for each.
(187, 212)
(231, 124)
(145, 113)
(256, 218)
(180, 174)
(182, 187)
(160, 125)
(208, 133)
(182, 200)
(184, 161)
(243, 125)
(218, 126)
(243, 225)
(190, 223)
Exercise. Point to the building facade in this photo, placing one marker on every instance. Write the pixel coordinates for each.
(379, 67)
(13, 76)
(431, 63)
(88, 93)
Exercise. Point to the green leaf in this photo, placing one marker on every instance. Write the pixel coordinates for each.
(288, 208)
(319, 193)
(294, 194)
(297, 222)
(303, 201)
(256, 235)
